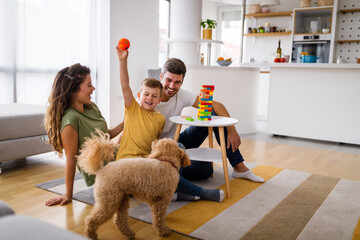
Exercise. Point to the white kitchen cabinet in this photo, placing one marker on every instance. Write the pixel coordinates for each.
(315, 101)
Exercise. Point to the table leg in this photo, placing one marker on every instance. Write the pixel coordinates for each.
(211, 143)
(177, 132)
(224, 160)
(210, 137)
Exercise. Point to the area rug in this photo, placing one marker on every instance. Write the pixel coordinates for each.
(289, 205)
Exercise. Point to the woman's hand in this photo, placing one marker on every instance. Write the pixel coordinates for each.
(62, 200)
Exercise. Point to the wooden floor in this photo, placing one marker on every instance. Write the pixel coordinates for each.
(19, 177)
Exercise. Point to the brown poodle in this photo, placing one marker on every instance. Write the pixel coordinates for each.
(152, 180)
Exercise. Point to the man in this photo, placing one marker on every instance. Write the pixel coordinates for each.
(173, 100)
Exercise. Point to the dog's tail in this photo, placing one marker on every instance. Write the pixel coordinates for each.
(95, 151)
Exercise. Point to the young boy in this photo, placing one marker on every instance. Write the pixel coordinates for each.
(142, 124)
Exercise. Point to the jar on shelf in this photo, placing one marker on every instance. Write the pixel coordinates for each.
(305, 3)
(254, 8)
(254, 30)
(267, 27)
(261, 29)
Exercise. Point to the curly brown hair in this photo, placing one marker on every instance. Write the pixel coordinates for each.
(66, 83)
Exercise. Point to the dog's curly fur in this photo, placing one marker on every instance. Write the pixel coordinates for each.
(152, 180)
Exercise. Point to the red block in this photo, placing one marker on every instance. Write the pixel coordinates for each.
(210, 87)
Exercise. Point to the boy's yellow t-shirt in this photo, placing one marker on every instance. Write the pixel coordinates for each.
(141, 128)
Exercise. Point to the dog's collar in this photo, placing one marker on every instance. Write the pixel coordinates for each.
(170, 163)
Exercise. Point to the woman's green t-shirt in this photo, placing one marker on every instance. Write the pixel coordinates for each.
(85, 124)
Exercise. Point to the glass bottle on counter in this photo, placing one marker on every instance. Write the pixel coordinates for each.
(278, 51)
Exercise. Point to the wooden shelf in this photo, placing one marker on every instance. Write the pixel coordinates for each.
(343, 11)
(309, 34)
(193, 40)
(271, 14)
(267, 34)
(348, 41)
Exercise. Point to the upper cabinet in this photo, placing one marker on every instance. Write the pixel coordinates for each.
(312, 21)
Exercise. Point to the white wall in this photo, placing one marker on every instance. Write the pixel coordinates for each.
(210, 11)
(138, 21)
(103, 45)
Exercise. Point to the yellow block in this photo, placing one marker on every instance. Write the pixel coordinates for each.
(183, 219)
(356, 235)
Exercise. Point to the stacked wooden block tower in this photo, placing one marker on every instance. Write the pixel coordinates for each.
(205, 102)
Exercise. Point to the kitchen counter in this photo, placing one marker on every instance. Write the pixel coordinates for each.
(312, 65)
(278, 65)
(316, 101)
(306, 100)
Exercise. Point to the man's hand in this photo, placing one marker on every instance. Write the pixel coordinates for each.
(233, 140)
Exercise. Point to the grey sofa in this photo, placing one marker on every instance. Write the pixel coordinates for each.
(18, 227)
(22, 133)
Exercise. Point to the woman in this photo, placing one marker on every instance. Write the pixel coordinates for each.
(70, 118)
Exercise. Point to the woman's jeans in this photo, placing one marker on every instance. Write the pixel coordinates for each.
(193, 137)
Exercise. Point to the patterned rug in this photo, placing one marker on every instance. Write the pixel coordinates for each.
(289, 205)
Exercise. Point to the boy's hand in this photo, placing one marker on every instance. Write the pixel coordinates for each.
(122, 54)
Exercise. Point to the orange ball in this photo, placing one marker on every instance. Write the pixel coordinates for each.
(124, 44)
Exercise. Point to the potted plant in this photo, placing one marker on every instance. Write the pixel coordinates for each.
(207, 26)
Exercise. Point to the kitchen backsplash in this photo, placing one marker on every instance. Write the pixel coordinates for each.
(348, 29)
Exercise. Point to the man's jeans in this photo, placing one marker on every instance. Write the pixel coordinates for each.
(193, 137)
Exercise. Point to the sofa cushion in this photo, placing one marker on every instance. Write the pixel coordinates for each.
(19, 120)
(17, 227)
(5, 209)
(23, 147)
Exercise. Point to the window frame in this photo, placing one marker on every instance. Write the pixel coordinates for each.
(232, 8)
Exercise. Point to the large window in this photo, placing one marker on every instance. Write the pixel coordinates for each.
(37, 39)
(164, 30)
(231, 33)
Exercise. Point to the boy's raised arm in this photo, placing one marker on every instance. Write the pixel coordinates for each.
(124, 76)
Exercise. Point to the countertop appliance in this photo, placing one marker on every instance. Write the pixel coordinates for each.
(315, 45)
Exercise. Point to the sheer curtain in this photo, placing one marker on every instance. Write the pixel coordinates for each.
(38, 38)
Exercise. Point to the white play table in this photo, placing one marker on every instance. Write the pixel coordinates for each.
(208, 154)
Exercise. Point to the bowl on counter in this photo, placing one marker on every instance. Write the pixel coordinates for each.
(325, 30)
(224, 63)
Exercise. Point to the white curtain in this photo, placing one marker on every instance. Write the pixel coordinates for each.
(38, 38)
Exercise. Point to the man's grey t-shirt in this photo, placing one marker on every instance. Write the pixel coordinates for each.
(173, 107)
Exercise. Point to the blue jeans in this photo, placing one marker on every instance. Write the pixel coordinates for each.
(184, 185)
(193, 137)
